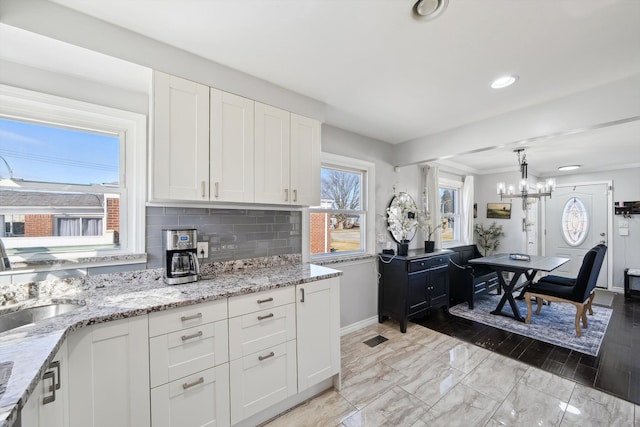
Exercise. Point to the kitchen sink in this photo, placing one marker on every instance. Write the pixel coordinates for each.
(27, 316)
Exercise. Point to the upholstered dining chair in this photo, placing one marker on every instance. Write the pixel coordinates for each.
(570, 281)
(578, 294)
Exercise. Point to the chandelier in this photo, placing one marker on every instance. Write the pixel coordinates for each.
(543, 189)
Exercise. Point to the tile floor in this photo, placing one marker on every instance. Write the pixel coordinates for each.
(426, 378)
(616, 369)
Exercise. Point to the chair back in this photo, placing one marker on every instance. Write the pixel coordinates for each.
(581, 289)
(597, 265)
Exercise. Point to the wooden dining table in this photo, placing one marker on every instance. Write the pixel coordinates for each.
(503, 263)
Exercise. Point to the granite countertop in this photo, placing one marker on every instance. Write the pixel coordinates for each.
(26, 351)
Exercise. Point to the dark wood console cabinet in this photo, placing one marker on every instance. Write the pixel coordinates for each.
(411, 285)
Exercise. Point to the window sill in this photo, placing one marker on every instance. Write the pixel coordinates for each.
(65, 261)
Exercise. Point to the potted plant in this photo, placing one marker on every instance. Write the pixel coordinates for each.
(489, 237)
(425, 223)
(402, 219)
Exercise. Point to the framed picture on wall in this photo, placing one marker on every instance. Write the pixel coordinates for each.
(499, 210)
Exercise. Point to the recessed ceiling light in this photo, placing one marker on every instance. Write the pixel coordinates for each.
(568, 167)
(504, 81)
(430, 9)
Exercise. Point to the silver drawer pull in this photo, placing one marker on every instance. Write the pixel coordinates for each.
(193, 384)
(262, 301)
(261, 358)
(188, 337)
(266, 316)
(193, 316)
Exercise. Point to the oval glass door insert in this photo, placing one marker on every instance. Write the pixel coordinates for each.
(575, 222)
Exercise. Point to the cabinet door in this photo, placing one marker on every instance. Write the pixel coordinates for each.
(439, 286)
(262, 379)
(318, 321)
(109, 374)
(180, 147)
(198, 400)
(47, 405)
(417, 292)
(272, 155)
(231, 146)
(305, 161)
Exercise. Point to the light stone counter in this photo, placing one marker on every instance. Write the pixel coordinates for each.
(26, 351)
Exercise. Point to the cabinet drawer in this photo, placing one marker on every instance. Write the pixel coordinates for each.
(198, 400)
(250, 303)
(426, 263)
(178, 354)
(262, 379)
(164, 322)
(257, 331)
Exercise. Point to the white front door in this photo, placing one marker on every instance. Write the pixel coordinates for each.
(576, 219)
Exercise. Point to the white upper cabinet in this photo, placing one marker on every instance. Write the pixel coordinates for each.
(231, 146)
(305, 161)
(272, 135)
(287, 157)
(211, 145)
(180, 151)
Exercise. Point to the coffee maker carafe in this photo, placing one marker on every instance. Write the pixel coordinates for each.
(180, 256)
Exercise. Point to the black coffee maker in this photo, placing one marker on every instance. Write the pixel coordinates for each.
(180, 256)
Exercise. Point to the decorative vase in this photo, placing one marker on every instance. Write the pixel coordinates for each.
(403, 247)
(429, 245)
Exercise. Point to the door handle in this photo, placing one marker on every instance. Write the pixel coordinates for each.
(193, 384)
(192, 317)
(286, 194)
(52, 388)
(192, 336)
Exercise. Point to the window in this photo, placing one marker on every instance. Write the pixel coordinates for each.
(67, 175)
(449, 192)
(338, 226)
(575, 222)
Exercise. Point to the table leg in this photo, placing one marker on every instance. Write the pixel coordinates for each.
(508, 296)
(529, 275)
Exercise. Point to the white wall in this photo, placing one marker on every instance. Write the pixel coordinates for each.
(485, 192)
(625, 249)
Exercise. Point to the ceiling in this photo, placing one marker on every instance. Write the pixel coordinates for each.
(386, 74)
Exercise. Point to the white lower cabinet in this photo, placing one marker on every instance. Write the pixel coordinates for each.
(262, 379)
(47, 405)
(109, 374)
(196, 400)
(262, 350)
(318, 322)
(188, 353)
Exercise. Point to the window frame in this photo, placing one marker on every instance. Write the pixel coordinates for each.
(22, 104)
(456, 185)
(367, 227)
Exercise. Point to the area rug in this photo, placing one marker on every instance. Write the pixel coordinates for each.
(554, 324)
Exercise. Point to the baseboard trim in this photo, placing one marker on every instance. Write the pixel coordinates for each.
(358, 325)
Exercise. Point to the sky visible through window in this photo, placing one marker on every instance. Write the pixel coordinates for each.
(37, 152)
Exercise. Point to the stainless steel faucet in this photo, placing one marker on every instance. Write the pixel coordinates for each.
(4, 258)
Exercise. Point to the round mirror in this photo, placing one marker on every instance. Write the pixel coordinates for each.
(402, 218)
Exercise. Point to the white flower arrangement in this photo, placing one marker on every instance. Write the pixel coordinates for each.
(425, 222)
